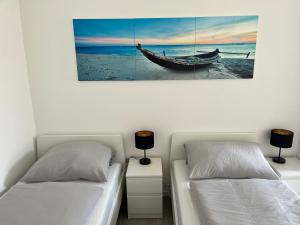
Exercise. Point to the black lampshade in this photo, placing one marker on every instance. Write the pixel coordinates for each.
(144, 139)
(281, 138)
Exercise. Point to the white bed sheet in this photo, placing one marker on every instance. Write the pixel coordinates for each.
(101, 213)
(187, 213)
(245, 201)
(103, 208)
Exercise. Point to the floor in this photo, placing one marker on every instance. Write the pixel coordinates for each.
(166, 220)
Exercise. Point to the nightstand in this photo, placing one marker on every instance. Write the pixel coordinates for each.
(290, 171)
(144, 189)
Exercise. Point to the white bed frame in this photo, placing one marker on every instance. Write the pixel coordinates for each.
(115, 141)
(177, 152)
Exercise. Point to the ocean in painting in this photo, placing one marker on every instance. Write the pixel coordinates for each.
(127, 63)
(106, 48)
(171, 50)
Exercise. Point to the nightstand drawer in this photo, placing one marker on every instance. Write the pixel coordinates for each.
(145, 205)
(144, 186)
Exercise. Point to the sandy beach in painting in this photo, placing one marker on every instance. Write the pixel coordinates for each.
(107, 67)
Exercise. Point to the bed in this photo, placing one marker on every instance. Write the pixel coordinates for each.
(186, 208)
(80, 202)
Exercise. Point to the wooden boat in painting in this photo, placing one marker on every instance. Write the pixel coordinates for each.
(183, 63)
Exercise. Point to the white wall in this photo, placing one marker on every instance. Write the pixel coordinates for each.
(64, 105)
(17, 127)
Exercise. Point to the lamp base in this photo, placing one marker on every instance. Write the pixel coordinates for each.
(278, 160)
(145, 161)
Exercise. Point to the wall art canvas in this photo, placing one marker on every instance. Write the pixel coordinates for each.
(188, 48)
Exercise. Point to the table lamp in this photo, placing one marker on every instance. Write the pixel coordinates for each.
(144, 140)
(282, 139)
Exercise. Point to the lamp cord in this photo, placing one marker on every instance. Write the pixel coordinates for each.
(144, 153)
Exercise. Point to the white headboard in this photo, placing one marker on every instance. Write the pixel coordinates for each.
(115, 141)
(178, 140)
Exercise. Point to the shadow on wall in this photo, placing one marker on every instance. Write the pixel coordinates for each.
(298, 150)
(267, 148)
(19, 170)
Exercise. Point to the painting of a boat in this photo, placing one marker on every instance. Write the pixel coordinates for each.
(184, 63)
(177, 48)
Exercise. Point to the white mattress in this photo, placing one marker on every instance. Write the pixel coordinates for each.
(187, 214)
(103, 208)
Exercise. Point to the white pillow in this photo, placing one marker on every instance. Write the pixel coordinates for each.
(75, 160)
(227, 159)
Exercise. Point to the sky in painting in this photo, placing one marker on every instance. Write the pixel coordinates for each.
(165, 31)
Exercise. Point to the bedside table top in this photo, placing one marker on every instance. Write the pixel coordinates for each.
(135, 169)
(289, 170)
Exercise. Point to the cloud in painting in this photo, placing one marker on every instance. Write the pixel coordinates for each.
(166, 31)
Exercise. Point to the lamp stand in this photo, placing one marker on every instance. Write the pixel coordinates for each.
(279, 159)
(145, 160)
